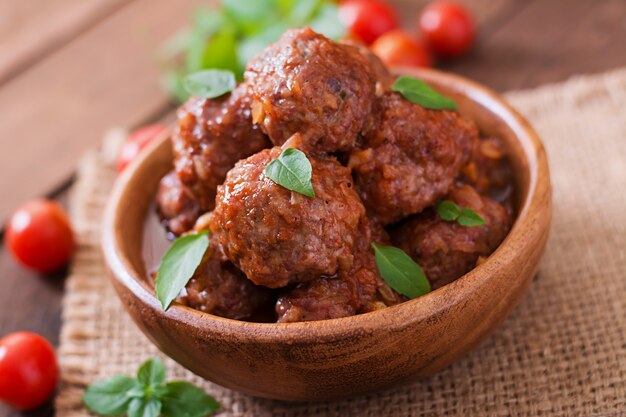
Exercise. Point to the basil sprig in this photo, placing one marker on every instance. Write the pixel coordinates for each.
(148, 395)
(227, 36)
(293, 171)
(178, 266)
(210, 83)
(418, 92)
(451, 212)
(401, 272)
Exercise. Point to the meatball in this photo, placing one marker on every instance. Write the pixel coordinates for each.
(212, 135)
(411, 159)
(219, 288)
(307, 83)
(357, 290)
(489, 171)
(447, 250)
(384, 78)
(277, 236)
(177, 205)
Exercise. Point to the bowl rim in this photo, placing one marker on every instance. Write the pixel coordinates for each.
(398, 316)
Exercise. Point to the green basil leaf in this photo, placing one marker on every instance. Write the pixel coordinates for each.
(144, 407)
(470, 218)
(251, 46)
(182, 399)
(400, 271)
(221, 53)
(210, 83)
(250, 16)
(152, 372)
(302, 11)
(293, 171)
(448, 210)
(109, 397)
(178, 266)
(418, 92)
(327, 22)
(172, 81)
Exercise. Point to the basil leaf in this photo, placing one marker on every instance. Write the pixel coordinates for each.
(448, 210)
(182, 399)
(293, 171)
(210, 83)
(178, 266)
(400, 271)
(221, 53)
(327, 22)
(302, 11)
(109, 397)
(152, 372)
(470, 218)
(418, 92)
(250, 47)
(144, 407)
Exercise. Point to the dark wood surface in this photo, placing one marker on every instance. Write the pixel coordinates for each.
(84, 71)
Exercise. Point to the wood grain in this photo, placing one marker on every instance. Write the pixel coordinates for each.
(55, 111)
(547, 41)
(30, 30)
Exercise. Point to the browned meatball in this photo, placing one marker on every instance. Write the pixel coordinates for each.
(410, 159)
(357, 290)
(447, 250)
(309, 84)
(489, 171)
(177, 205)
(219, 288)
(277, 236)
(212, 135)
(384, 79)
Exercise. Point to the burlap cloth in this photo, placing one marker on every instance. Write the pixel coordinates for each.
(561, 353)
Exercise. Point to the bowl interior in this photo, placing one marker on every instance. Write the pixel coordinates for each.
(133, 198)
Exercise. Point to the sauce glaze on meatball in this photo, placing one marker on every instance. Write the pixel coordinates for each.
(309, 84)
(411, 159)
(277, 236)
(212, 135)
(357, 290)
(219, 288)
(177, 205)
(447, 250)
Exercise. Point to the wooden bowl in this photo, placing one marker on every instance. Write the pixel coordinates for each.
(343, 357)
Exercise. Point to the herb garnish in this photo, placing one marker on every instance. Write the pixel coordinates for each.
(178, 266)
(418, 92)
(148, 395)
(292, 170)
(400, 271)
(228, 35)
(451, 212)
(210, 83)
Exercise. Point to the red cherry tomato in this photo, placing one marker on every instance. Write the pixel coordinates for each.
(39, 235)
(28, 370)
(448, 28)
(368, 19)
(398, 48)
(136, 142)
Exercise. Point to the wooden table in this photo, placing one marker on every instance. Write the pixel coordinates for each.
(70, 69)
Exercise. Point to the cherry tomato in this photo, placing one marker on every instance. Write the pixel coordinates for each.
(448, 28)
(398, 48)
(368, 19)
(136, 142)
(39, 235)
(28, 370)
